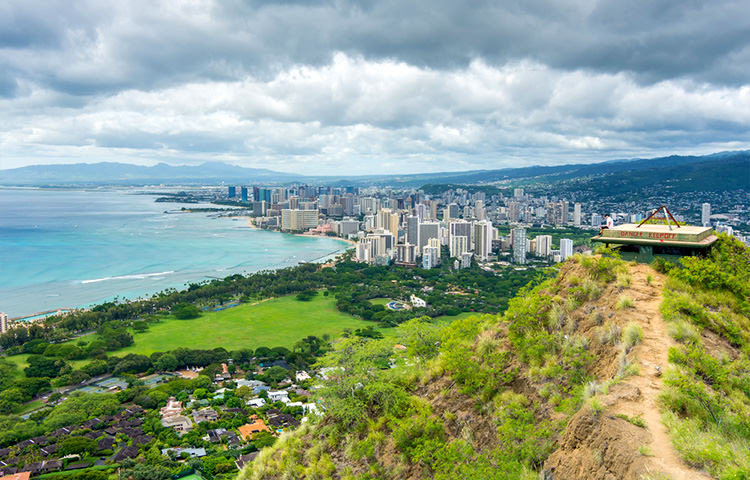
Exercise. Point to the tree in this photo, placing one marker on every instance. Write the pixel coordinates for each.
(166, 363)
(73, 445)
(185, 311)
(263, 439)
(40, 366)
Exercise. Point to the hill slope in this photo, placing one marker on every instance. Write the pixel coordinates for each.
(572, 382)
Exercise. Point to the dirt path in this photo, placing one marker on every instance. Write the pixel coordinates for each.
(652, 356)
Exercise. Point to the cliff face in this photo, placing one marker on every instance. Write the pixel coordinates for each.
(570, 383)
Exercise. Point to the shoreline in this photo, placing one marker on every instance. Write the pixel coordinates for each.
(251, 224)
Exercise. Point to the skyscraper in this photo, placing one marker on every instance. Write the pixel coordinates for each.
(232, 192)
(514, 212)
(412, 229)
(543, 245)
(459, 244)
(3, 322)
(577, 214)
(706, 214)
(483, 233)
(243, 194)
(428, 230)
(519, 245)
(566, 248)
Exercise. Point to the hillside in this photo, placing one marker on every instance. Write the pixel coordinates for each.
(609, 370)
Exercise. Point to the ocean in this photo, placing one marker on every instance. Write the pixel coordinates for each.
(74, 248)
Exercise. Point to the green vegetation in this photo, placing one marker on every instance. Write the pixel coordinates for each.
(706, 402)
(632, 335)
(389, 412)
(279, 322)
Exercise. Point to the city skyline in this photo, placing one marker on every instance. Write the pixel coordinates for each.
(328, 87)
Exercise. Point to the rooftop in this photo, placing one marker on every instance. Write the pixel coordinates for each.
(655, 234)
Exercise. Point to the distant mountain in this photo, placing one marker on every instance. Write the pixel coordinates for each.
(127, 174)
(719, 171)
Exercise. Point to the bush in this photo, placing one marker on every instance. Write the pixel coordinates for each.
(185, 311)
(631, 335)
(624, 302)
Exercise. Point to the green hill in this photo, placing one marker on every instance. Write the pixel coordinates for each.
(576, 380)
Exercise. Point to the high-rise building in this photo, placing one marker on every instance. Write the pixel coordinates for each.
(577, 214)
(543, 247)
(348, 227)
(566, 248)
(369, 205)
(519, 244)
(3, 322)
(514, 212)
(430, 256)
(428, 230)
(483, 234)
(453, 210)
(459, 244)
(706, 214)
(298, 220)
(518, 193)
(232, 192)
(557, 213)
(461, 228)
(406, 253)
(596, 220)
(243, 194)
(412, 229)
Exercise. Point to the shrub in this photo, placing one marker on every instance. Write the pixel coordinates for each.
(683, 331)
(609, 333)
(637, 420)
(623, 279)
(631, 336)
(624, 302)
(645, 450)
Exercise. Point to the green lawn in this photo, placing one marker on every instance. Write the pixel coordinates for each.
(379, 301)
(278, 322)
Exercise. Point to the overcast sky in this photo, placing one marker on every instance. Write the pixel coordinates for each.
(360, 87)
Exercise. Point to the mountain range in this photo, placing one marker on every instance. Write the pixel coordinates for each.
(724, 170)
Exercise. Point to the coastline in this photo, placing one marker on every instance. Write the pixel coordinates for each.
(251, 224)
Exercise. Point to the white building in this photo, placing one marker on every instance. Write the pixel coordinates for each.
(577, 214)
(298, 220)
(543, 245)
(431, 255)
(483, 236)
(459, 245)
(278, 396)
(566, 248)
(301, 376)
(256, 402)
(3, 323)
(417, 302)
(706, 214)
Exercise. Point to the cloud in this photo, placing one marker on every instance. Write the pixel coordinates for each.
(370, 87)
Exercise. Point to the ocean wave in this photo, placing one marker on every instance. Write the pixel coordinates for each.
(135, 276)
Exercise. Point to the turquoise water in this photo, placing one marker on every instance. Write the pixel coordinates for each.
(71, 248)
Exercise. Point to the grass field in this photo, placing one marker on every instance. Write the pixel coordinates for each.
(278, 322)
(379, 301)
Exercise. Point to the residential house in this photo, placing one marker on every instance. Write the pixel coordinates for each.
(282, 421)
(301, 376)
(180, 423)
(191, 452)
(205, 415)
(258, 425)
(173, 407)
(243, 460)
(278, 396)
(256, 402)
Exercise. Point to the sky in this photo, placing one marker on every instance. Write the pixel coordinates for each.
(365, 87)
